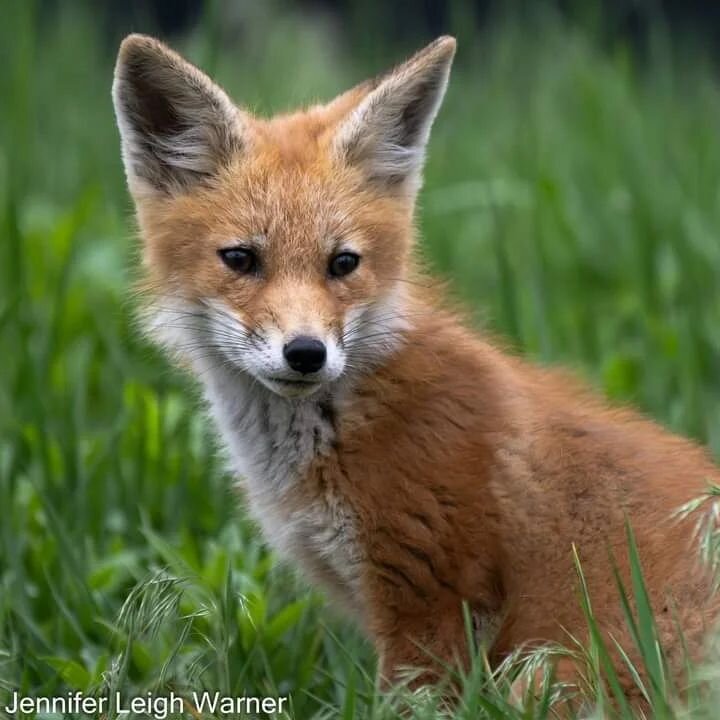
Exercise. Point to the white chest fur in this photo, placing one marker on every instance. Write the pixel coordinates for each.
(272, 443)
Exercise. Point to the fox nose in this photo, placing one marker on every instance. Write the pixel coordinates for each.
(305, 354)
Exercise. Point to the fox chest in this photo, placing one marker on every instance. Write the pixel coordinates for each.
(317, 530)
(283, 454)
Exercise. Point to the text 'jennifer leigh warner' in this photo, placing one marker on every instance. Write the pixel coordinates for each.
(156, 706)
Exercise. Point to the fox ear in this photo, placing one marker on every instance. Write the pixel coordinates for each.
(177, 127)
(386, 133)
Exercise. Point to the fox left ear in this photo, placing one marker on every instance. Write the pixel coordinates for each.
(177, 127)
(387, 132)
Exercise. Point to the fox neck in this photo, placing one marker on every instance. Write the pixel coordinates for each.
(270, 439)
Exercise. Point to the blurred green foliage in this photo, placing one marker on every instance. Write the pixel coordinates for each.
(572, 200)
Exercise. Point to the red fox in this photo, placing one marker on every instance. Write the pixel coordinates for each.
(408, 465)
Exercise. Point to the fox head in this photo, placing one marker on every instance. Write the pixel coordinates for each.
(279, 246)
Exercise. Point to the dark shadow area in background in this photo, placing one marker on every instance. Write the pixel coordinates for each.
(404, 21)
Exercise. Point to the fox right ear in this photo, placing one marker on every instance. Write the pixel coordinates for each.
(177, 127)
(388, 130)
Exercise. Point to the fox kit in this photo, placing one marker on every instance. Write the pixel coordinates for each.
(405, 463)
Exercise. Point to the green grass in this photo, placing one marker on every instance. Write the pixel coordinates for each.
(573, 200)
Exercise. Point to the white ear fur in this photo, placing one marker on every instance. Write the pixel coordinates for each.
(386, 134)
(177, 127)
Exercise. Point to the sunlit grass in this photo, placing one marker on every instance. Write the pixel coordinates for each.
(572, 198)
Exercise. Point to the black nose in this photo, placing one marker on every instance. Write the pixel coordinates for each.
(305, 354)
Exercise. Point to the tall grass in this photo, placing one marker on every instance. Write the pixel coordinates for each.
(572, 197)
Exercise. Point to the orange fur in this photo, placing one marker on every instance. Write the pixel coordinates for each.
(467, 474)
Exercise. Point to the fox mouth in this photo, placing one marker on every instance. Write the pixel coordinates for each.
(299, 382)
(291, 387)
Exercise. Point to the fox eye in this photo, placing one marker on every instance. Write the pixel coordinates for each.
(239, 260)
(343, 264)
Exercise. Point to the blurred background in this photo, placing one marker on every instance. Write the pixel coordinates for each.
(572, 201)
